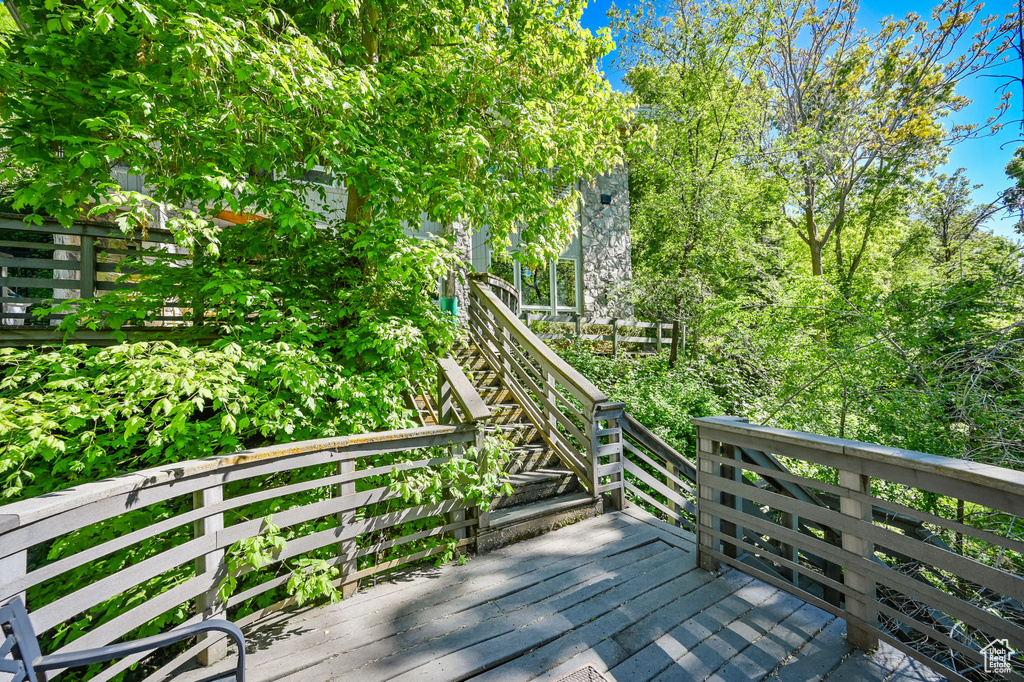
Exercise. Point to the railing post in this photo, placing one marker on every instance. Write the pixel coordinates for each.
(658, 342)
(613, 432)
(705, 493)
(735, 501)
(673, 471)
(209, 604)
(790, 552)
(446, 416)
(444, 399)
(483, 518)
(579, 325)
(13, 567)
(87, 287)
(346, 548)
(615, 337)
(860, 600)
(199, 302)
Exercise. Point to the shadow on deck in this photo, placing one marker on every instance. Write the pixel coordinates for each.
(620, 593)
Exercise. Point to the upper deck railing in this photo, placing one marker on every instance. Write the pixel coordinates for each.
(47, 263)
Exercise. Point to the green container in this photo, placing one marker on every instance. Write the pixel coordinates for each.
(450, 306)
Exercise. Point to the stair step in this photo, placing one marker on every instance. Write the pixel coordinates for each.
(526, 512)
(532, 457)
(536, 485)
(537, 476)
(518, 523)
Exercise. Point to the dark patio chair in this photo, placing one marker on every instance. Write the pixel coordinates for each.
(20, 655)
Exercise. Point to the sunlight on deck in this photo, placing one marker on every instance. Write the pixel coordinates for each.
(620, 593)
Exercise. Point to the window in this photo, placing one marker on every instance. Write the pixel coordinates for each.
(565, 284)
(553, 288)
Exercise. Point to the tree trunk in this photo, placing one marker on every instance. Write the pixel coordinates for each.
(816, 269)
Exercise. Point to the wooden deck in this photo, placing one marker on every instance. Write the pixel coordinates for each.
(620, 593)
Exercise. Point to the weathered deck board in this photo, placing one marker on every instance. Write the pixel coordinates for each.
(620, 592)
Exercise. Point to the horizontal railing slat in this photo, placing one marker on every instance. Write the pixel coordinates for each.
(949, 674)
(766, 555)
(40, 264)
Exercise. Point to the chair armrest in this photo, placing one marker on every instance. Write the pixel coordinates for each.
(74, 659)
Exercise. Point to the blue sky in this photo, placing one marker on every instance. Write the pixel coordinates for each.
(984, 158)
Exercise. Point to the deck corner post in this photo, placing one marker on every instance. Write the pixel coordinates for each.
(729, 528)
(347, 547)
(705, 493)
(613, 429)
(860, 600)
(209, 604)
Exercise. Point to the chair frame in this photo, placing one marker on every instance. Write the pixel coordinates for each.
(28, 662)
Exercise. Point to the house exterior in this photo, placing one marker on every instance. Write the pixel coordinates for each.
(588, 278)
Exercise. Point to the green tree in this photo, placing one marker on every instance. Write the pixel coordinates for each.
(856, 117)
(463, 111)
(696, 228)
(955, 221)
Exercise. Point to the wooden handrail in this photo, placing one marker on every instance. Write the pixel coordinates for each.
(579, 385)
(910, 467)
(472, 405)
(493, 281)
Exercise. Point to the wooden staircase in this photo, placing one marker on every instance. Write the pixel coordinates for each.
(545, 494)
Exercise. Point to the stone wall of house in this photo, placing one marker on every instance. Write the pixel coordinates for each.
(607, 248)
(463, 247)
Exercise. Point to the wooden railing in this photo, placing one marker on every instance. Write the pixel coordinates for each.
(81, 261)
(175, 525)
(650, 336)
(505, 291)
(657, 476)
(574, 417)
(913, 549)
